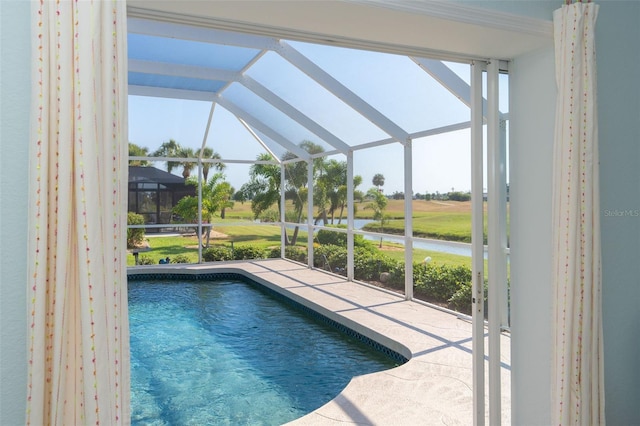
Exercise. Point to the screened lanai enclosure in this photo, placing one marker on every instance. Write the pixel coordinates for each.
(298, 130)
(154, 193)
(331, 145)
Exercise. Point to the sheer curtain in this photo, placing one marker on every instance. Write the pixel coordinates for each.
(79, 334)
(578, 396)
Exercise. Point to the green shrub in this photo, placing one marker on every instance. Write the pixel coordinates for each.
(296, 253)
(274, 253)
(290, 252)
(143, 259)
(181, 258)
(248, 252)
(292, 216)
(459, 196)
(221, 253)
(396, 275)
(440, 282)
(336, 238)
(324, 237)
(461, 300)
(368, 265)
(135, 236)
(330, 257)
(434, 283)
(217, 253)
(270, 215)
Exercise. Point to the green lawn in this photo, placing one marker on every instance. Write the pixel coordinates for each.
(432, 219)
(267, 237)
(396, 251)
(259, 235)
(163, 246)
(440, 226)
(441, 220)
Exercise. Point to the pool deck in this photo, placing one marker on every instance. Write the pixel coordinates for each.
(432, 388)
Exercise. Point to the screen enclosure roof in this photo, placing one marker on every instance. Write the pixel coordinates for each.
(268, 95)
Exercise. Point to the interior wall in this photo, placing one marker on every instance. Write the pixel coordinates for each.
(14, 131)
(619, 136)
(617, 31)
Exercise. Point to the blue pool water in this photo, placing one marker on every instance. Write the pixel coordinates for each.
(227, 353)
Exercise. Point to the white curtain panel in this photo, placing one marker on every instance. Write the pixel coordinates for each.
(578, 394)
(78, 371)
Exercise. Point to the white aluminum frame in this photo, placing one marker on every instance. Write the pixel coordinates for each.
(477, 242)
(496, 206)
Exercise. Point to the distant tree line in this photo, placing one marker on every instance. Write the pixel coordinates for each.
(445, 196)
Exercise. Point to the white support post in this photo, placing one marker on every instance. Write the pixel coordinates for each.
(199, 210)
(350, 214)
(310, 212)
(496, 252)
(504, 291)
(408, 220)
(283, 228)
(477, 243)
(200, 176)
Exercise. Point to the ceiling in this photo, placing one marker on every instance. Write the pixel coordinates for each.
(424, 28)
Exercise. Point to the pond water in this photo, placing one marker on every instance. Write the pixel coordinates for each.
(451, 247)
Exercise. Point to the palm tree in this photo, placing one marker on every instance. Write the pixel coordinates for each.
(209, 154)
(263, 188)
(322, 189)
(342, 196)
(378, 204)
(174, 149)
(229, 192)
(138, 151)
(187, 166)
(378, 181)
(332, 176)
(296, 181)
(330, 190)
(216, 196)
(168, 149)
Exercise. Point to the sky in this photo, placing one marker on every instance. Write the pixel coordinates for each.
(392, 84)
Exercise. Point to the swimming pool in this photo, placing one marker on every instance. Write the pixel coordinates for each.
(229, 352)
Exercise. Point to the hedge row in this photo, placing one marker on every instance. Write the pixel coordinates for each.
(443, 284)
(222, 253)
(144, 259)
(336, 238)
(245, 252)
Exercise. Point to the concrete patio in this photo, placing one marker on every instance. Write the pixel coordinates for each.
(433, 387)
